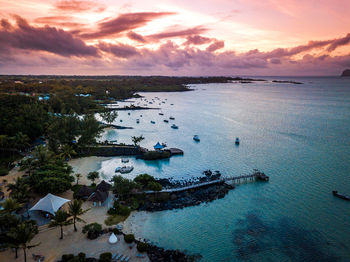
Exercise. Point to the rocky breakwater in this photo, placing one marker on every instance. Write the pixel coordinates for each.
(158, 254)
(168, 199)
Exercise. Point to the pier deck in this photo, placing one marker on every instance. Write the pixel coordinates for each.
(235, 179)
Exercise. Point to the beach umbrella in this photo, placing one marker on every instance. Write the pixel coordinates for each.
(158, 146)
(113, 239)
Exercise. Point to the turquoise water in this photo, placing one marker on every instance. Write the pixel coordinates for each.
(297, 134)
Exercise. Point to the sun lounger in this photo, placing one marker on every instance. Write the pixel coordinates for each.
(119, 257)
(114, 256)
(127, 259)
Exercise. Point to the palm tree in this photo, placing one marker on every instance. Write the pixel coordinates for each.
(42, 155)
(137, 139)
(21, 236)
(93, 176)
(11, 205)
(75, 210)
(67, 152)
(78, 176)
(21, 141)
(59, 220)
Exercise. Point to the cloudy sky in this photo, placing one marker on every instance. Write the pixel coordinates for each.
(175, 37)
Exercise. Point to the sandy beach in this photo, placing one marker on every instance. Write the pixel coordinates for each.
(85, 165)
(74, 242)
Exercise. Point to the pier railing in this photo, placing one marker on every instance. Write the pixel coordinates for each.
(260, 176)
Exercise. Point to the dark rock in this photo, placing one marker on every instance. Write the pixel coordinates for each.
(346, 72)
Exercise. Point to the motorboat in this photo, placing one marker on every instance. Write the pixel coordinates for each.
(161, 114)
(174, 126)
(117, 169)
(126, 169)
(166, 120)
(172, 118)
(129, 113)
(237, 141)
(125, 160)
(137, 121)
(196, 138)
(153, 122)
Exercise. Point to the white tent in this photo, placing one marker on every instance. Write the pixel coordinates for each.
(50, 203)
(113, 239)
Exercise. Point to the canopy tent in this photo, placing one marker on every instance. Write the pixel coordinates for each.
(158, 146)
(50, 203)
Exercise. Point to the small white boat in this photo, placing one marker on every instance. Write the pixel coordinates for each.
(126, 169)
(174, 126)
(237, 141)
(196, 138)
(117, 169)
(125, 160)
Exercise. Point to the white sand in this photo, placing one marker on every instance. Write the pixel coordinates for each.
(86, 165)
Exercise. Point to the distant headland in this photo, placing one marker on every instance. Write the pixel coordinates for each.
(346, 72)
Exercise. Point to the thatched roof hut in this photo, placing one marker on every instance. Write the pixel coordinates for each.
(84, 192)
(103, 186)
(98, 196)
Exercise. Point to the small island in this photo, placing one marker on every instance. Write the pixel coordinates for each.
(345, 73)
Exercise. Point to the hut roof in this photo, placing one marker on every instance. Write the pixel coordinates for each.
(98, 196)
(84, 192)
(158, 146)
(103, 186)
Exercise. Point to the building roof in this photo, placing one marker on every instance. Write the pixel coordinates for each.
(50, 203)
(103, 186)
(158, 146)
(84, 192)
(98, 196)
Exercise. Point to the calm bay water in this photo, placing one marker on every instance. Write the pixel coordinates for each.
(296, 134)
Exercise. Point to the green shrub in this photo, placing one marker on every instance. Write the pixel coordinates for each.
(154, 155)
(118, 209)
(3, 171)
(82, 257)
(67, 257)
(154, 186)
(93, 230)
(129, 238)
(105, 257)
(142, 247)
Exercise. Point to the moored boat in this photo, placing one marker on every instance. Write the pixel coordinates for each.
(196, 138)
(153, 122)
(237, 141)
(126, 169)
(166, 120)
(172, 118)
(161, 114)
(174, 126)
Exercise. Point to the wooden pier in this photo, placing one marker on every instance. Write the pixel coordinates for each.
(256, 176)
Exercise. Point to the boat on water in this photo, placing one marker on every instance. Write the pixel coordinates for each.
(166, 120)
(125, 160)
(174, 126)
(124, 169)
(153, 122)
(129, 113)
(171, 104)
(172, 118)
(196, 138)
(335, 193)
(237, 141)
(137, 121)
(121, 120)
(161, 114)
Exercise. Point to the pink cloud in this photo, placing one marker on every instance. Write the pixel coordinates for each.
(197, 40)
(215, 46)
(119, 50)
(79, 6)
(49, 39)
(122, 23)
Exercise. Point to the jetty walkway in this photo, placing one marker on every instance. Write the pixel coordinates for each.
(256, 176)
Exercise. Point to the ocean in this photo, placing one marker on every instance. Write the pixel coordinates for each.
(297, 134)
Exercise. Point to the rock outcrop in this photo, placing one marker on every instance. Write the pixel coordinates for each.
(346, 72)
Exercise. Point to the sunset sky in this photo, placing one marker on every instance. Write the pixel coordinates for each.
(175, 37)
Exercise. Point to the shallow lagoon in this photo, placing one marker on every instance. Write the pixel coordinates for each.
(297, 134)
